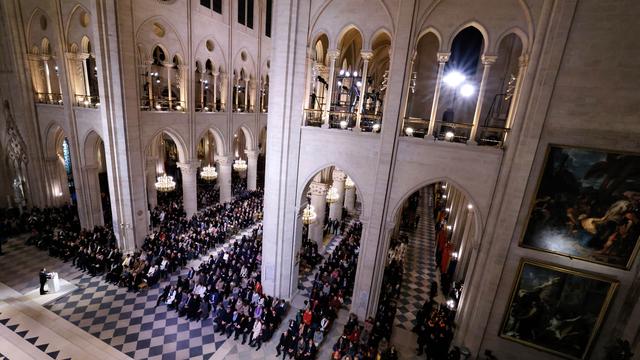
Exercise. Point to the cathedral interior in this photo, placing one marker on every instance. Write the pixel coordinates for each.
(319, 179)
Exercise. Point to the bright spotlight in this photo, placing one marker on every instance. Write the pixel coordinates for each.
(409, 131)
(341, 72)
(376, 127)
(449, 135)
(355, 73)
(343, 124)
(359, 83)
(454, 78)
(469, 206)
(467, 90)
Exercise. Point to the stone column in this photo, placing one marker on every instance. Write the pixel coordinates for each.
(466, 246)
(224, 177)
(151, 174)
(366, 56)
(93, 190)
(335, 209)
(318, 201)
(310, 78)
(247, 92)
(252, 169)
(350, 199)
(223, 91)
(487, 61)
(523, 61)
(169, 66)
(189, 173)
(332, 56)
(215, 91)
(442, 60)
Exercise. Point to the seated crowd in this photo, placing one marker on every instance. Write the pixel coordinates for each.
(370, 341)
(332, 284)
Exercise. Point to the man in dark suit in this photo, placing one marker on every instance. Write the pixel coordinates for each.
(43, 280)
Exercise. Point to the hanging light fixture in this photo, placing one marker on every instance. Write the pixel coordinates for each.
(209, 173)
(349, 184)
(165, 183)
(332, 195)
(240, 165)
(309, 215)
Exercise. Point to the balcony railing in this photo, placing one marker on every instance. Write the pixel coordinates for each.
(416, 127)
(242, 109)
(453, 131)
(342, 120)
(49, 98)
(210, 107)
(162, 104)
(86, 101)
(492, 136)
(313, 117)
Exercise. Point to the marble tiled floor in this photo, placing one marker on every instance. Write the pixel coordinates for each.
(21, 263)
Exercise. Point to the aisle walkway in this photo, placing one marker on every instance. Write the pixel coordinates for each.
(420, 268)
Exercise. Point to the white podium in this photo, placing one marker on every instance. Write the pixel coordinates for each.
(53, 283)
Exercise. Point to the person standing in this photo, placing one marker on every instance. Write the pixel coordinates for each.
(43, 280)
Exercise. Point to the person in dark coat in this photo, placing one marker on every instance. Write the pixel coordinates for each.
(43, 280)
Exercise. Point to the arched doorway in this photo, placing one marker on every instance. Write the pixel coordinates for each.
(208, 151)
(97, 180)
(425, 268)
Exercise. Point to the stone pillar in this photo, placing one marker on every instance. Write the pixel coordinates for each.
(523, 61)
(318, 201)
(189, 173)
(350, 199)
(169, 66)
(247, 92)
(310, 78)
(96, 217)
(332, 56)
(215, 91)
(47, 76)
(466, 245)
(335, 209)
(252, 169)
(366, 56)
(223, 91)
(487, 61)
(442, 60)
(151, 174)
(224, 177)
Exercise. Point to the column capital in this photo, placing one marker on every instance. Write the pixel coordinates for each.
(319, 68)
(338, 175)
(366, 55)
(443, 57)
(225, 160)
(215, 73)
(190, 167)
(333, 54)
(168, 64)
(489, 59)
(318, 188)
(252, 154)
(523, 60)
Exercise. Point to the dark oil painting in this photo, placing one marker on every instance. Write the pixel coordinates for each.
(556, 309)
(587, 206)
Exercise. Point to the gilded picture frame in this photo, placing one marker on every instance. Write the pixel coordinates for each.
(556, 309)
(586, 206)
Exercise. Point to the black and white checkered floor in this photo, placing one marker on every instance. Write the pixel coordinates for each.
(420, 267)
(133, 325)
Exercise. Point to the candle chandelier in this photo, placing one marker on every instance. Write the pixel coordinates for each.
(165, 183)
(332, 195)
(240, 165)
(209, 173)
(308, 215)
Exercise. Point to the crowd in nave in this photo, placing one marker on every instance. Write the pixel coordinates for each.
(332, 285)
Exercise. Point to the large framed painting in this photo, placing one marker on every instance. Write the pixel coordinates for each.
(556, 309)
(587, 206)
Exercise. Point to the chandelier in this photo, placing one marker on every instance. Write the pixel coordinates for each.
(349, 184)
(332, 195)
(165, 183)
(209, 173)
(308, 215)
(240, 165)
